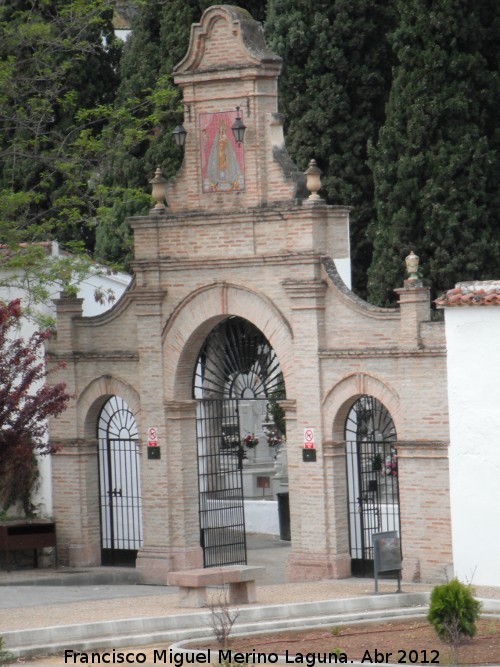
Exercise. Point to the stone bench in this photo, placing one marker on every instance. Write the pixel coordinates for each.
(193, 583)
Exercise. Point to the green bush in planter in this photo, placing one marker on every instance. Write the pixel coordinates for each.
(453, 611)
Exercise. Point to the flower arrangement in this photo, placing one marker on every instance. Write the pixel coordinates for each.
(274, 437)
(391, 465)
(250, 441)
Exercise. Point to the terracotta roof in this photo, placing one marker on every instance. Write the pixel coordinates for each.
(477, 293)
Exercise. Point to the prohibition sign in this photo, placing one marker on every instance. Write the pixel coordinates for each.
(308, 435)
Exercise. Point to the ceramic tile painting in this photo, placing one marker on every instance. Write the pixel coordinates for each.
(222, 163)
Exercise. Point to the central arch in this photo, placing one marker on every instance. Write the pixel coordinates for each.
(237, 383)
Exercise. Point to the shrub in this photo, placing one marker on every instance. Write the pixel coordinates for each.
(453, 612)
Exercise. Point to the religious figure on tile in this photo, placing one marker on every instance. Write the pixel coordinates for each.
(222, 163)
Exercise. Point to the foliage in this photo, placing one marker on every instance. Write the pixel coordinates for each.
(58, 58)
(332, 90)
(40, 274)
(58, 61)
(4, 655)
(436, 162)
(453, 611)
(26, 401)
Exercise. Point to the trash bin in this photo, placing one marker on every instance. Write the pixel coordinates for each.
(284, 515)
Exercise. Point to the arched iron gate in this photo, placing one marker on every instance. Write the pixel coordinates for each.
(372, 479)
(236, 363)
(119, 484)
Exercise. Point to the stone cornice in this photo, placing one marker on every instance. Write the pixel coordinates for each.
(422, 449)
(169, 264)
(113, 355)
(75, 446)
(305, 289)
(377, 353)
(276, 212)
(334, 448)
(180, 409)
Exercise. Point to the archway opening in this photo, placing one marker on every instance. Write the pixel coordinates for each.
(372, 479)
(237, 384)
(119, 484)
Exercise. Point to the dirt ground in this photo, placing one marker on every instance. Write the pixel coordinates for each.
(409, 642)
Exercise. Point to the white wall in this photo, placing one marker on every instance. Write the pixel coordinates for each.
(473, 342)
(261, 516)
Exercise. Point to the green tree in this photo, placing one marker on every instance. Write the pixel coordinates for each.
(436, 162)
(147, 108)
(333, 90)
(57, 58)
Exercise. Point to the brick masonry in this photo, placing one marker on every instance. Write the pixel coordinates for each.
(266, 254)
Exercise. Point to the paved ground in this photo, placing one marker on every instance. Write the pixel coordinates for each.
(45, 598)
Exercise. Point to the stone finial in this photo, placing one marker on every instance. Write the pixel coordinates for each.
(158, 183)
(313, 181)
(412, 266)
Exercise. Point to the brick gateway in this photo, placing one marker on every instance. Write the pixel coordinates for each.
(240, 235)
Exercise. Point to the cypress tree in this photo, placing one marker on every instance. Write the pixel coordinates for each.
(333, 90)
(436, 162)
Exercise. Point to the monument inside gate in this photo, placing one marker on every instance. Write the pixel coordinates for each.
(238, 239)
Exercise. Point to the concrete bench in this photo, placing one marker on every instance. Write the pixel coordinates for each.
(193, 583)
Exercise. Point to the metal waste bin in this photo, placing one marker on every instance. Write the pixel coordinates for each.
(284, 515)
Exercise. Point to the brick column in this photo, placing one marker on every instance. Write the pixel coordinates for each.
(312, 555)
(75, 486)
(424, 496)
(67, 309)
(336, 505)
(76, 503)
(415, 308)
(171, 502)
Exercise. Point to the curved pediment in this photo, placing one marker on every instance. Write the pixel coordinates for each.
(226, 36)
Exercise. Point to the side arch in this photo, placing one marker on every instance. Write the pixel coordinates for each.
(341, 397)
(95, 395)
(200, 312)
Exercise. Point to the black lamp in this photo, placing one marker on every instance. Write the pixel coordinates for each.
(180, 135)
(238, 128)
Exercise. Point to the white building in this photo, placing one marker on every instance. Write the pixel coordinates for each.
(473, 362)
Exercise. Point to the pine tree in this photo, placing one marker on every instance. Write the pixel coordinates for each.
(436, 162)
(333, 90)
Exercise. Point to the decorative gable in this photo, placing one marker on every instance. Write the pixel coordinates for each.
(229, 73)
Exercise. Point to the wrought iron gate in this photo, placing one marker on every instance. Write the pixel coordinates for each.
(372, 479)
(220, 456)
(119, 484)
(236, 363)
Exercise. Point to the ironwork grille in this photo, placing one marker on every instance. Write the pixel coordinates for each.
(236, 363)
(222, 513)
(372, 479)
(119, 482)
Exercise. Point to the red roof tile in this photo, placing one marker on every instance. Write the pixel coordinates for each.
(477, 293)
